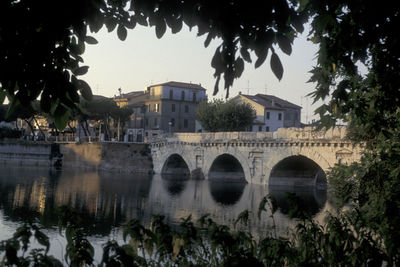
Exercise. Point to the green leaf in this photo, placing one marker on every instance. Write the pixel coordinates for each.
(131, 23)
(2, 96)
(303, 4)
(142, 20)
(81, 47)
(276, 66)
(81, 70)
(111, 23)
(12, 106)
(239, 67)
(122, 32)
(61, 117)
(261, 207)
(262, 55)
(210, 36)
(45, 102)
(85, 90)
(160, 28)
(91, 40)
(216, 60)
(245, 54)
(284, 44)
(42, 239)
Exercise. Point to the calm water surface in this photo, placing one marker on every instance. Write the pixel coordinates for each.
(110, 199)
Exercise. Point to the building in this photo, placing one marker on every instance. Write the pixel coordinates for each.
(125, 99)
(163, 108)
(271, 112)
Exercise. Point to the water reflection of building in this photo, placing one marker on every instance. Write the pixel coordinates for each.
(108, 200)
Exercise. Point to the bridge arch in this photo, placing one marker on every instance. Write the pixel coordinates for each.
(175, 164)
(298, 170)
(235, 166)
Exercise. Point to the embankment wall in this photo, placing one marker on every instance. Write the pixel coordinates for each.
(94, 156)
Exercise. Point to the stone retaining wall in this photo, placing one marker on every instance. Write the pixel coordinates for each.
(120, 157)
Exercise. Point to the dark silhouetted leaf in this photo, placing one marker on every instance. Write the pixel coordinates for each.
(61, 117)
(276, 66)
(85, 90)
(91, 40)
(210, 36)
(81, 70)
(2, 96)
(262, 55)
(239, 67)
(14, 103)
(160, 28)
(111, 23)
(122, 32)
(245, 54)
(131, 23)
(284, 44)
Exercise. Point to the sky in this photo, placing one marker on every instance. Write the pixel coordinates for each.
(142, 60)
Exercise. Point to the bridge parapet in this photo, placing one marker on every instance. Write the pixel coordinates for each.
(282, 135)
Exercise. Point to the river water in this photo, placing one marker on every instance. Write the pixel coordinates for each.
(110, 199)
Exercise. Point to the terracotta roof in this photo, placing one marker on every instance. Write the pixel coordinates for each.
(180, 85)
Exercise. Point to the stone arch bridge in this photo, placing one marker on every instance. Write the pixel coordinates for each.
(256, 156)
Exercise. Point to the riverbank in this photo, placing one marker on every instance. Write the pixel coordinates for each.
(119, 157)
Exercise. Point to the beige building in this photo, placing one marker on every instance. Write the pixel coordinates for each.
(271, 112)
(162, 108)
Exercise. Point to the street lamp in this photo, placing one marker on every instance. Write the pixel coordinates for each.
(170, 126)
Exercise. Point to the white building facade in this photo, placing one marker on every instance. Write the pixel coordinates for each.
(271, 112)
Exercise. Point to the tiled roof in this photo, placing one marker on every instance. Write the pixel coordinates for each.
(181, 85)
(130, 94)
(263, 102)
(278, 101)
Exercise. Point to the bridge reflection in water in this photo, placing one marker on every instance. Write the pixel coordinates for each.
(108, 200)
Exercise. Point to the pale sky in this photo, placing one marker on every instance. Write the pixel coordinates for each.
(142, 60)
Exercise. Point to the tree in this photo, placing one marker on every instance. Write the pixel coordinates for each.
(42, 41)
(220, 116)
(102, 109)
(41, 48)
(121, 116)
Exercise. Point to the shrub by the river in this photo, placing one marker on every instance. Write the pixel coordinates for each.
(343, 241)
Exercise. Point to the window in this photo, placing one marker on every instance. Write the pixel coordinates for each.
(171, 94)
(260, 128)
(172, 122)
(185, 123)
(194, 96)
(267, 115)
(155, 122)
(158, 107)
(183, 95)
(186, 109)
(267, 128)
(173, 107)
(151, 91)
(279, 116)
(146, 121)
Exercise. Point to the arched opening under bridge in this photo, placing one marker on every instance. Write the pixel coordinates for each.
(226, 168)
(298, 171)
(175, 165)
